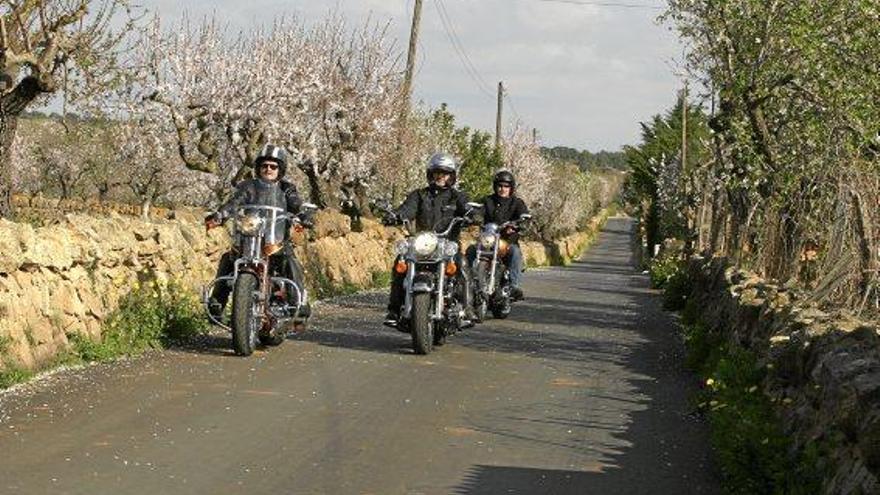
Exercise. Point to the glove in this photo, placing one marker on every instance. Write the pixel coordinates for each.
(390, 219)
(212, 221)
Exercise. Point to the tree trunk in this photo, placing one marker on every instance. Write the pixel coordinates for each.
(865, 233)
(8, 127)
(146, 205)
(12, 104)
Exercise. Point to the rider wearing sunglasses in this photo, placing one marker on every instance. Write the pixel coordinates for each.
(269, 189)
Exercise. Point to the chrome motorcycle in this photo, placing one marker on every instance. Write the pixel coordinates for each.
(264, 304)
(491, 273)
(431, 309)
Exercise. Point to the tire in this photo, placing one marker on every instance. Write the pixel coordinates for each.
(422, 326)
(501, 309)
(272, 340)
(439, 337)
(244, 331)
(482, 309)
(482, 274)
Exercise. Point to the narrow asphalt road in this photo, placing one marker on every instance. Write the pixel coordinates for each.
(581, 391)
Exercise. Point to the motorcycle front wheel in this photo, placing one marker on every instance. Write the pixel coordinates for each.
(422, 326)
(244, 331)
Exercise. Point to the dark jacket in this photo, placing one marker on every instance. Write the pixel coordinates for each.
(281, 194)
(499, 210)
(427, 206)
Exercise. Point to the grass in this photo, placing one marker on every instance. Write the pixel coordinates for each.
(14, 375)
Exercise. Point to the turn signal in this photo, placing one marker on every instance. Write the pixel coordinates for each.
(503, 248)
(270, 249)
(451, 269)
(400, 267)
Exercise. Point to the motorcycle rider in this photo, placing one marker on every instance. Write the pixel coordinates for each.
(434, 205)
(503, 206)
(269, 189)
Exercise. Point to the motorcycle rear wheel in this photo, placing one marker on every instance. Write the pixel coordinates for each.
(244, 332)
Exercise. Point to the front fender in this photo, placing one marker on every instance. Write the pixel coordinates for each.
(423, 282)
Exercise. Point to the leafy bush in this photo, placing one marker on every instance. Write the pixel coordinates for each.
(151, 316)
(755, 454)
(668, 272)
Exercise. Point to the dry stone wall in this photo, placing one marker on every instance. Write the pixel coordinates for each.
(68, 277)
(823, 368)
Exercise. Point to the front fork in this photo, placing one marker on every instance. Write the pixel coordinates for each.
(489, 288)
(410, 287)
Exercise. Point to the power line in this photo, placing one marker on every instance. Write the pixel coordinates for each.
(460, 51)
(606, 4)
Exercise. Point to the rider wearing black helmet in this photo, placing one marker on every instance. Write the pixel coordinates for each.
(434, 205)
(267, 188)
(503, 206)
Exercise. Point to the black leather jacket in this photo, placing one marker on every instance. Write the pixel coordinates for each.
(428, 207)
(499, 210)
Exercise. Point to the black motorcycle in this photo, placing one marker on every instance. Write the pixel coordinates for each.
(264, 304)
(431, 310)
(491, 273)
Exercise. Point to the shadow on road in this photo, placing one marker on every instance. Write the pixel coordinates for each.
(644, 433)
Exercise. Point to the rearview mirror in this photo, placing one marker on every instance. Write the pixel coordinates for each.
(309, 207)
(475, 206)
(525, 216)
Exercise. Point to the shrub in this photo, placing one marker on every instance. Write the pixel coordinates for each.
(151, 316)
(668, 272)
(755, 455)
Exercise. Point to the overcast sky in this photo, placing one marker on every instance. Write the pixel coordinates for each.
(583, 75)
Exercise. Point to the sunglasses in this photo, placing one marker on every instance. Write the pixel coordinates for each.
(503, 184)
(270, 166)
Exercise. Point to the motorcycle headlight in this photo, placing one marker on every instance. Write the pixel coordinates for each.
(425, 244)
(401, 247)
(487, 241)
(450, 249)
(248, 224)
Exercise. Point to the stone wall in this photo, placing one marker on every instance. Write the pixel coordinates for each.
(823, 368)
(67, 277)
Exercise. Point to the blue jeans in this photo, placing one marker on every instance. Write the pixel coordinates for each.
(514, 262)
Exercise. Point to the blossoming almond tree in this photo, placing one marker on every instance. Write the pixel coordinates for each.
(329, 95)
(46, 45)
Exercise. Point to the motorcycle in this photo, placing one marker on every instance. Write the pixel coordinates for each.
(261, 298)
(431, 310)
(491, 273)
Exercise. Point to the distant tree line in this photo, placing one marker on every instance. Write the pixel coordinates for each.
(586, 160)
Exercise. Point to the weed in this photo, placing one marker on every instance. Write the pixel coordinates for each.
(755, 454)
(381, 279)
(14, 375)
(151, 316)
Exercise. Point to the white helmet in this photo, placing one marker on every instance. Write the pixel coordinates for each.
(442, 162)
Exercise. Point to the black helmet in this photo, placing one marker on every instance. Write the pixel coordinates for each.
(504, 176)
(442, 162)
(274, 153)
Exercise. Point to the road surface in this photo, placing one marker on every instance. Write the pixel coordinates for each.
(581, 391)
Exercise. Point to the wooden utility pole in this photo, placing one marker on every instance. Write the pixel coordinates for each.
(684, 120)
(406, 91)
(498, 115)
(411, 55)
(686, 175)
(534, 135)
